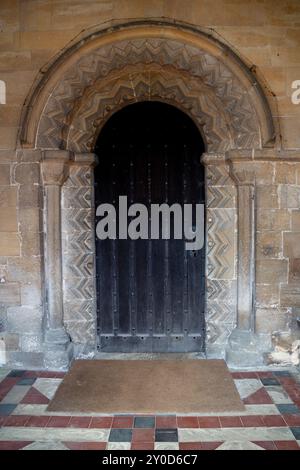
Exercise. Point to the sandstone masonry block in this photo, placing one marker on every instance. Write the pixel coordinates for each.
(24, 320)
(27, 173)
(271, 271)
(4, 174)
(269, 244)
(273, 220)
(10, 293)
(9, 244)
(270, 320)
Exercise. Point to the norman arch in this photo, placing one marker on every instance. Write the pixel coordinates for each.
(84, 86)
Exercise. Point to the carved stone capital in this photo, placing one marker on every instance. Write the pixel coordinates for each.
(55, 166)
(213, 159)
(84, 159)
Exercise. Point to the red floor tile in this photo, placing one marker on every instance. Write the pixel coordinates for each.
(187, 422)
(230, 421)
(143, 435)
(47, 374)
(248, 375)
(190, 446)
(261, 397)
(6, 385)
(286, 445)
(268, 445)
(142, 446)
(38, 421)
(16, 420)
(60, 375)
(34, 397)
(252, 421)
(273, 420)
(85, 445)
(101, 422)
(80, 422)
(211, 445)
(209, 422)
(292, 420)
(236, 375)
(166, 422)
(58, 422)
(13, 445)
(31, 374)
(264, 374)
(121, 422)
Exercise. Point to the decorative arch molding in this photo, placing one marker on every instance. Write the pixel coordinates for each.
(137, 61)
(50, 108)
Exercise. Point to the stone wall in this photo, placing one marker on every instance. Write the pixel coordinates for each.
(265, 34)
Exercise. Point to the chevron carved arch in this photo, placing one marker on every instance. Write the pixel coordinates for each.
(197, 61)
(147, 83)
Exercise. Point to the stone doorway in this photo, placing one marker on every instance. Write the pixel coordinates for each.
(150, 292)
(104, 72)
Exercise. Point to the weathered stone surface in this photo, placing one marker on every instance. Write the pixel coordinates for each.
(296, 220)
(8, 196)
(8, 219)
(271, 271)
(291, 244)
(273, 219)
(4, 174)
(290, 295)
(269, 320)
(285, 173)
(31, 293)
(267, 196)
(31, 243)
(27, 173)
(294, 271)
(10, 293)
(31, 343)
(30, 196)
(269, 244)
(267, 295)
(31, 219)
(25, 269)
(289, 196)
(29, 155)
(9, 244)
(24, 320)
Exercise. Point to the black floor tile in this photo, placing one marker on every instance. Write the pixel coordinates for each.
(270, 381)
(288, 409)
(16, 373)
(6, 409)
(296, 432)
(120, 435)
(27, 381)
(144, 422)
(166, 435)
(282, 373)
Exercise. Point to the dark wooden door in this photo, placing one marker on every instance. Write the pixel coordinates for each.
(150, 292)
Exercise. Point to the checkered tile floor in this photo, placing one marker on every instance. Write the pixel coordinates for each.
(270, 421)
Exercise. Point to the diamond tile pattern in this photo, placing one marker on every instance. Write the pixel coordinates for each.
(267, 424)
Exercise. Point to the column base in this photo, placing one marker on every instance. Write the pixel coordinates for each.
(247, 349)
(58, 349)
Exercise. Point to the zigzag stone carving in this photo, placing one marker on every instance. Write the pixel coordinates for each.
(221, 243)
(149, 84)
(55, 120)
(78, 256)
(221, 310)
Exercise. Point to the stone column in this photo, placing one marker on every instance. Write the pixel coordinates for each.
(245, 346)
(58, 348)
